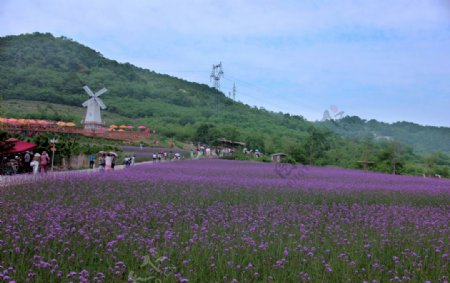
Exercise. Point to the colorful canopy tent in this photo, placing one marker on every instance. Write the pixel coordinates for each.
(19, 147)
(42, 122)
(11, 121)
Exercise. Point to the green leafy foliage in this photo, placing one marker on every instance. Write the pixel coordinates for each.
(41, 67)
(424, 139)
(49, 72)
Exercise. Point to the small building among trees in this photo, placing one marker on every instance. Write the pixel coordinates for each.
(278, 157)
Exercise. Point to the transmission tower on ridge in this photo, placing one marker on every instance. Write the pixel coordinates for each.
(234, 91)
(216, 74)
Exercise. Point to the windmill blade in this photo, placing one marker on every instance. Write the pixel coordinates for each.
(100, 102)
(85, 104)
(88, 90)
(100, 92)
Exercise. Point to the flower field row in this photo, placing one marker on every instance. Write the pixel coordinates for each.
(226, 221)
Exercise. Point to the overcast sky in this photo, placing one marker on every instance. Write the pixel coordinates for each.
(383, 59)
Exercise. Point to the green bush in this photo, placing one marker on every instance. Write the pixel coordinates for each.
(264, 158)
(289, 160)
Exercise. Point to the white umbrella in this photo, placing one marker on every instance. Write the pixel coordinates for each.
(113, 153)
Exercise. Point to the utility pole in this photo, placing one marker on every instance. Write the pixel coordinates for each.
(234, 91)
(216, 75)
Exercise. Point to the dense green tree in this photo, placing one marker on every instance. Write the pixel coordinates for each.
(393, 157)
(206, 134)
(255, 142)
(298, 152)
(316, 144)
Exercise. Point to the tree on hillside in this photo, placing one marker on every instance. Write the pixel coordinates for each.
(436, 163)
(298, 152)
(255, 142)
(230, 133)
(393, 157)
(316, 144)
(206, 133)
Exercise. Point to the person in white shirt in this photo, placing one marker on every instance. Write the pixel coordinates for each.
(35, 165)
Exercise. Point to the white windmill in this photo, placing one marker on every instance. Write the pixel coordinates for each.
(93, 118)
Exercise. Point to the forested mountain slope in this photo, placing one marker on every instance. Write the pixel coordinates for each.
(41, 67)
(422, 139)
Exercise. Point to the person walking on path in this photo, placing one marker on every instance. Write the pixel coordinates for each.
(101, 162)
(27, 161)
(113, 161)
(35, 164)
(91, 161)
(108, 162)
(45, 159)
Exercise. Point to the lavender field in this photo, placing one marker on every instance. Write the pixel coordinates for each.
(226, 221)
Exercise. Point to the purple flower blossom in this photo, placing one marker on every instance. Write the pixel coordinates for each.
(239, 219)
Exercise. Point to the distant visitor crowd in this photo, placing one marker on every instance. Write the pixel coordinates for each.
(28, 162)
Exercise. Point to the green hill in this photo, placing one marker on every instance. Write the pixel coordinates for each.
(40, 67)
(41, 76)
(423, 139)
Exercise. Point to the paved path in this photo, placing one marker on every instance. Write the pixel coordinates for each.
(6, 180)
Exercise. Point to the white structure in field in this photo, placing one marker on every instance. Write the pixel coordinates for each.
(93, 118)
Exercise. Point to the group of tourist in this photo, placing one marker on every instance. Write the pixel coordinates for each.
(106, 161)
(256, 153)
(206, 151)
(28, 162)
(129, 160)
(164, 155)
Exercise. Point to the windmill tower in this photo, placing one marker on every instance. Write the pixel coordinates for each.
(93, 118)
